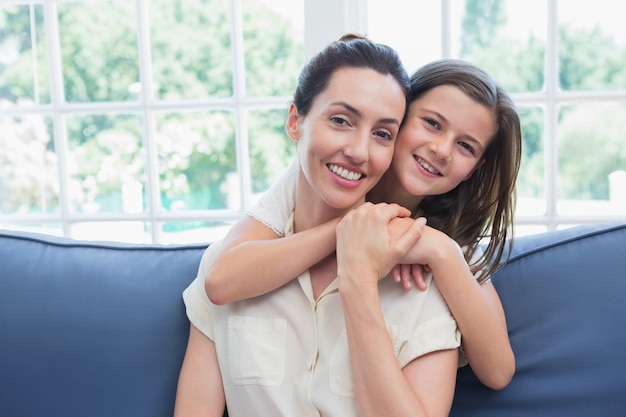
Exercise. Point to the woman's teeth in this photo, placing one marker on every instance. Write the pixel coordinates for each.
(344, 173)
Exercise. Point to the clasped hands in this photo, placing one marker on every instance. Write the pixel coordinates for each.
(374, 239)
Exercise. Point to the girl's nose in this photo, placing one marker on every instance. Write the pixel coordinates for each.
(442, 147)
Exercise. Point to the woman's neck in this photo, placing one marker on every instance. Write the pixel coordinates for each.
(310, 209)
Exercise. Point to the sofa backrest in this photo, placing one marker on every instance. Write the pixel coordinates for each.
(91, 329)
(99, 329)
(564, 295)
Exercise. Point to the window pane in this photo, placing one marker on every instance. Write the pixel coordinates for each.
(419, 41)
(273, 34)
(530, 183)
(52, 228)
(123, 231)
(24, 76)
(29, 176)
(269, 146)
(199, 231)
(592, 45)
(592, 154)
(507, 38)
(99, 50)
(197, 160)
(191, 49)
(106, 163)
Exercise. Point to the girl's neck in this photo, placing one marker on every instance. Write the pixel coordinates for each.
(390, 190)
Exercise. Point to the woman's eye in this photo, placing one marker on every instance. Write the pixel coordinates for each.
(384, 134)
(339, 120)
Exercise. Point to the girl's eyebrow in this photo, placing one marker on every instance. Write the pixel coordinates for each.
(357, 113)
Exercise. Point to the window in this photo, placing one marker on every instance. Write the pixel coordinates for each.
(562, 61)
(162, 120)
(143, 120)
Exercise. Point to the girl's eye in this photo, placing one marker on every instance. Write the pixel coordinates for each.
(468, 147)
(433, 123)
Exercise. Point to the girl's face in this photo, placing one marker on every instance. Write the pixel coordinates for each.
(442, 141)
(346, 140)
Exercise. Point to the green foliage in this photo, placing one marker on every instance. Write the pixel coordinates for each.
(28, 168)
(481, 22)
(588, 59)
(191, 49)
(191, 58)
(98, 51)
(591, 146)
(24, 74)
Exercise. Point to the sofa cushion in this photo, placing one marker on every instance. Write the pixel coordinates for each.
(91, 329)
(564, 295)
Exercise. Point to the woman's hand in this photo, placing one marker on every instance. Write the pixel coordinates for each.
(366, 250)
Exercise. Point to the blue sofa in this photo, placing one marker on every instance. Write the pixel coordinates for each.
(99, 329)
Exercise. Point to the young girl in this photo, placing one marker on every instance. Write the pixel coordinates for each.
(455, 162)
(302, 349)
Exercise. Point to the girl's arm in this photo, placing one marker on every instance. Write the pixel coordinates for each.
(365, 254)
(254, 260)
(476, 308)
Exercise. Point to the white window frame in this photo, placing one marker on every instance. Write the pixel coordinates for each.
(325, 21)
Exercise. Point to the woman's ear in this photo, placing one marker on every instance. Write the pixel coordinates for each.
(293, 123)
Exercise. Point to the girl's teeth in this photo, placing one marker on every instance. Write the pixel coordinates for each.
(427, 167)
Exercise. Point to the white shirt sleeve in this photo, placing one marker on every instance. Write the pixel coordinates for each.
(197, 303)
(276, 204)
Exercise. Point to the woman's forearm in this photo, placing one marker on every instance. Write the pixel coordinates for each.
(254, 261)
(381, 387)
(365, 253)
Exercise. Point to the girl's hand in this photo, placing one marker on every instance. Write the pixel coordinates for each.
(404, 273)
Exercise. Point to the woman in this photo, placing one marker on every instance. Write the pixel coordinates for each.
(288, 352)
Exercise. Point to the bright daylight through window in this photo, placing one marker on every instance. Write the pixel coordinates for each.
(162, 120)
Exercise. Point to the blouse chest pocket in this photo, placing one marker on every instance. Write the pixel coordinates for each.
(256, 350)
(340, 372)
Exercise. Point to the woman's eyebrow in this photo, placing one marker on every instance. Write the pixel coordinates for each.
(356, 112)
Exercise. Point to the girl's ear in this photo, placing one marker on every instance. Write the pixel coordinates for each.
(478, 165)
(293, 123)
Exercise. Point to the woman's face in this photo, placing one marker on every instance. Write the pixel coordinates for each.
(346, 140)
(442, 141)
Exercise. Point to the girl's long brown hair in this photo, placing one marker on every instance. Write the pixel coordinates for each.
(482, 207)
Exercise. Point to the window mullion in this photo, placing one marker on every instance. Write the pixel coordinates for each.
(241, 111)
(551, 116)
(149, 129)
(57, 97)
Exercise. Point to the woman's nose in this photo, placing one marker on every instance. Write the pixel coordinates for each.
(358, 148)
